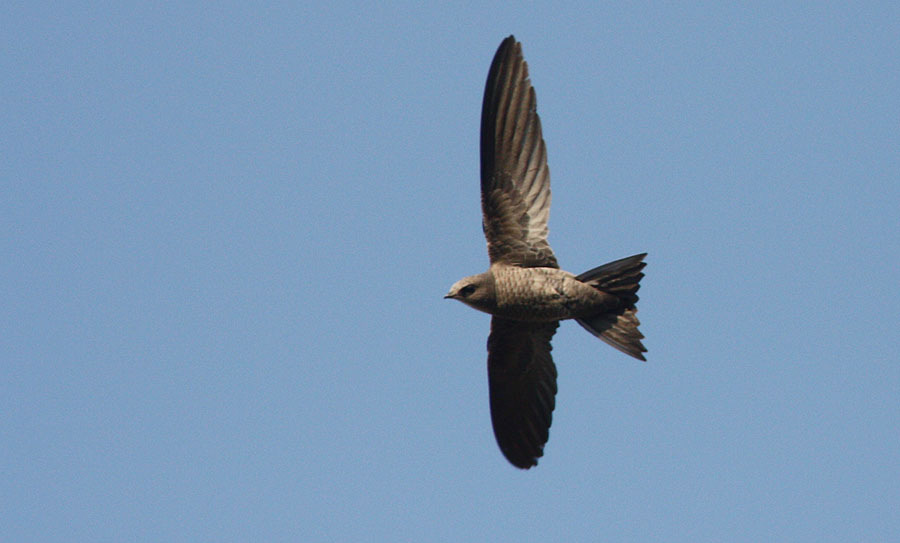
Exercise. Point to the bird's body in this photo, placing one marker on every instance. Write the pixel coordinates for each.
(541, 295)
(524, 289)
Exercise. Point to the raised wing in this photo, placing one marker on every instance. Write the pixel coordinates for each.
(515, 179)
(522, 382)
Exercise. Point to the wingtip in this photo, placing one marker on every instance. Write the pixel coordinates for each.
(509, 42)
(522, 463)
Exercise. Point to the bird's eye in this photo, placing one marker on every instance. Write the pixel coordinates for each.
(466, 290)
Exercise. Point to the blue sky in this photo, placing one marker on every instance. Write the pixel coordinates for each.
(227, 231)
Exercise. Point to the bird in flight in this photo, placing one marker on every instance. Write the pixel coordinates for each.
(524, 289)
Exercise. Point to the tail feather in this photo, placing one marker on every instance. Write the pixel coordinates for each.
(618, 328)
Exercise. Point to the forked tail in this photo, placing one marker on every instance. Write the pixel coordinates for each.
(619, 327)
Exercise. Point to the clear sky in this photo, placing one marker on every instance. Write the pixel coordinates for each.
(227, 231)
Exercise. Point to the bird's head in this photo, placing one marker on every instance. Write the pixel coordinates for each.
(475, 291)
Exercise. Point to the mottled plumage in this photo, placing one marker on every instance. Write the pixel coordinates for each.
(524, 289)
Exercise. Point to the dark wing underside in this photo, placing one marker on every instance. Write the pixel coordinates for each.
(515, 179)
(522, 382)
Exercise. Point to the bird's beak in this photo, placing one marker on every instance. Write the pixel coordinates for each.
(448, 295)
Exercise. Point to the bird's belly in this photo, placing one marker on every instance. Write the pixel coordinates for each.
(536, 309)
(541, 295)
